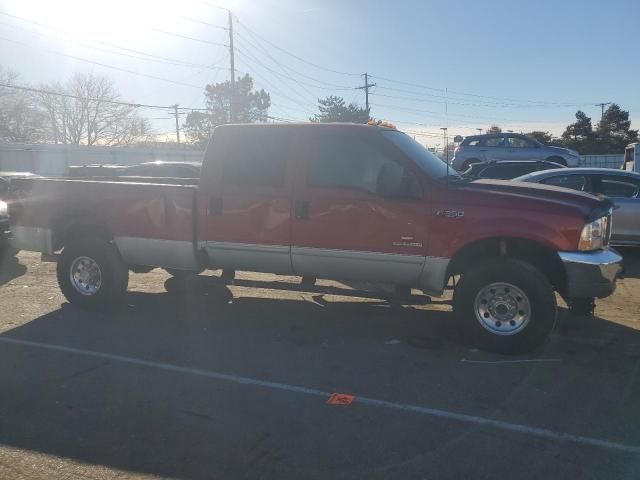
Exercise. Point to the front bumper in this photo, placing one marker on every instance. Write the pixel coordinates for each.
(591, 274)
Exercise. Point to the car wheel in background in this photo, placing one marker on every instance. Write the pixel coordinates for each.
(505, 306)
(92, 275)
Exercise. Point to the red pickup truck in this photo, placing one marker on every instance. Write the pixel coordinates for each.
(335, 201)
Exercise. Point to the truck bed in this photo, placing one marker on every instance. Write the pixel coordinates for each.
(153, 224)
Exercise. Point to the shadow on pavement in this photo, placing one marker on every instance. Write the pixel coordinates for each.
(631, 261)
(10, 268)
(148, 420)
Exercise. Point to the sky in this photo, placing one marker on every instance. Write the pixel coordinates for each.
(459, 64)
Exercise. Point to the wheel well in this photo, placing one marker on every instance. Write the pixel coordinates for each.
(67, 232)
(559, 160)
(534, 253)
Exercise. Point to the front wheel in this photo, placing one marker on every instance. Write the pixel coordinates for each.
(505, 306)
(92, 275)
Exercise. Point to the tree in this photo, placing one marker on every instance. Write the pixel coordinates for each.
(614, 131)
(493, 129)
(91, 113)
(543, 137)
(579, 135)
(249, 106)
(335, 109)
(21, 119)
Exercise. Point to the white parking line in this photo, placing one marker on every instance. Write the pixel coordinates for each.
(433, 412)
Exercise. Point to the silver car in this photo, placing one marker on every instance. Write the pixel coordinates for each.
(509, 146)
(621, 186)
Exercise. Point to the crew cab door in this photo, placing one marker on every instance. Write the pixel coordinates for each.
(247, 197)
(358, 211)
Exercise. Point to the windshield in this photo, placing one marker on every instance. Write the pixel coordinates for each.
(427, 161)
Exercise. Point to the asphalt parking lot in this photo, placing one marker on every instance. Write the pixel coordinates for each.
(233, 383)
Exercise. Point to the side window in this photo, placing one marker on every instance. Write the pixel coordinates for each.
(574, 182)
(619, 187)
(518, 142)
(347, 162)
(473, 143)
(494, 142)
(258, 160)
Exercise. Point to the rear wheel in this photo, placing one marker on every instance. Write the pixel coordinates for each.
(505, 306)
(92, 275)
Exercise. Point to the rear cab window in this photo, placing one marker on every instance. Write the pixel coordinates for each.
(258, 159)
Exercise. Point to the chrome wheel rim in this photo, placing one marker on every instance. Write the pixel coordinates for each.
(502, 308)
(86, 276)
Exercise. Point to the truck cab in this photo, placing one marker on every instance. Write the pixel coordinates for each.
(334, 201)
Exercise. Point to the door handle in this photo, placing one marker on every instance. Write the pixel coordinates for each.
(301, 210)
(215, 206)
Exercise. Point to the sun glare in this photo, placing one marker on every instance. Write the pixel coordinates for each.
(123, 20)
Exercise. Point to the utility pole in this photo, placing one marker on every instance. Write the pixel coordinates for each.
(232, 99)
(446, 142)
(366, 87)
(479, 130)
(602, 105)
(175, 111)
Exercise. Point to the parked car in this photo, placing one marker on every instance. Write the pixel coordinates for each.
(509, 146)
(336, 201)
(622, 186)
(507, 169)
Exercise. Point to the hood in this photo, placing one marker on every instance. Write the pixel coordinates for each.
(528, 196)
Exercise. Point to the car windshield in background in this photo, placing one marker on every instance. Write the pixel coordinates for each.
(427, 161)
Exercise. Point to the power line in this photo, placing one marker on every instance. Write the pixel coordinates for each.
(334, 86)
(78, 97)
(194, 20)
(104, 65)
(296, 56)
(489, 105)
(246, 58)
(186, 37)
(140, 55)
(509, 99)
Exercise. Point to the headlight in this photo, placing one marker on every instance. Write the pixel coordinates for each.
(594, 234)
(4, 211)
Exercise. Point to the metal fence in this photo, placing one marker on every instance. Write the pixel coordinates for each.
(602, 161)
(56, 159)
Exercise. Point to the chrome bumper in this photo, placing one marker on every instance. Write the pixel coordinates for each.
(591, 274)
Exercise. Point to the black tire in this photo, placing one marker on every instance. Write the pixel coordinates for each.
(538, 293)
(468, 163)
(114, 274)
(559, 160)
